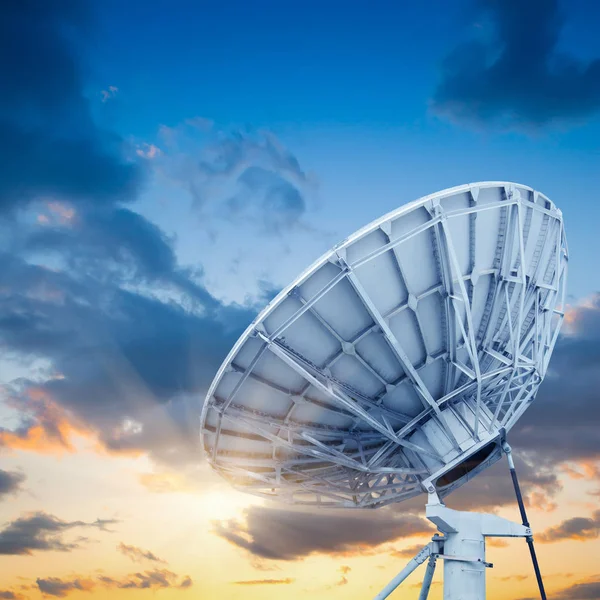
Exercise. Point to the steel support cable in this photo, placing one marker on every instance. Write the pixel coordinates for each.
(529, 539)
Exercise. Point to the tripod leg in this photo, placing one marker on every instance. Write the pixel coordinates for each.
(534, 560)
(428, 577)
(408, 569)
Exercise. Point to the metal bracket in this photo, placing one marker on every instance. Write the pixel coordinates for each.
(488, 565)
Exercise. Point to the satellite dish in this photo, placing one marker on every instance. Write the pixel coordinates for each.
(396, 364)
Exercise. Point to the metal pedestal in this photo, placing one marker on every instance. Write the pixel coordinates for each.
(462, 548)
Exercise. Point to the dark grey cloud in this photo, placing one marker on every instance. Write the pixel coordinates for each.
(147, 580)
(585, 590)
(561, 425)
(290, 535)
(516, 75)
(132, 365)
(116, 245)
(11, 595)
(107, 270)
(589, 590)
(54, 586)
(50, 143)
(577, 528)
(10, 482)
(41, 531)
(101, 309)
(493, 488)
(138, 554)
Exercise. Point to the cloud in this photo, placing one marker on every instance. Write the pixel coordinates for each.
(164, 482)
(10, 482)
(11, 595)
(240, 177)
(125, 356)
(41, 531)
(54, 586)
(585, 590)
(291, 535)
(285, 581)
(577, 528)
(154, 579)
(86, 283)
(111, 92)
(408, 552)
(138, 555)
(561, 424)
(580, 591)
(148, 580)
(88, 286)
(46, 426)
(343, 580)
(50, 143)
(493, 488)
(148, 151)
(515, 75)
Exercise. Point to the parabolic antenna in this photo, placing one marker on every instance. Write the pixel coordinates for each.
(400, 358)
(396, 364)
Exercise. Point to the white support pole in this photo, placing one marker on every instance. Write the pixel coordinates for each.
(408, 569)
(464, 547)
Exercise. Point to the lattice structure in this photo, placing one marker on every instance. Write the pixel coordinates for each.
(397, 360)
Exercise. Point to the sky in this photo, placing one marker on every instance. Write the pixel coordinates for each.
(165, 168)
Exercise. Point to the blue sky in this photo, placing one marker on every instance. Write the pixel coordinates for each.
(350, 93)
(166, 166)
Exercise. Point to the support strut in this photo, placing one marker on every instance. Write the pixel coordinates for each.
(429, 571)
(419, 559)
(529, 539)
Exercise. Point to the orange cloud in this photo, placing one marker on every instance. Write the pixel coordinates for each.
(582, 470)
(52, 430)
(576, 314)
(540, 501)
(164, 482)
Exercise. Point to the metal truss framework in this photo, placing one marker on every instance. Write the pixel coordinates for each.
(492, 370)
